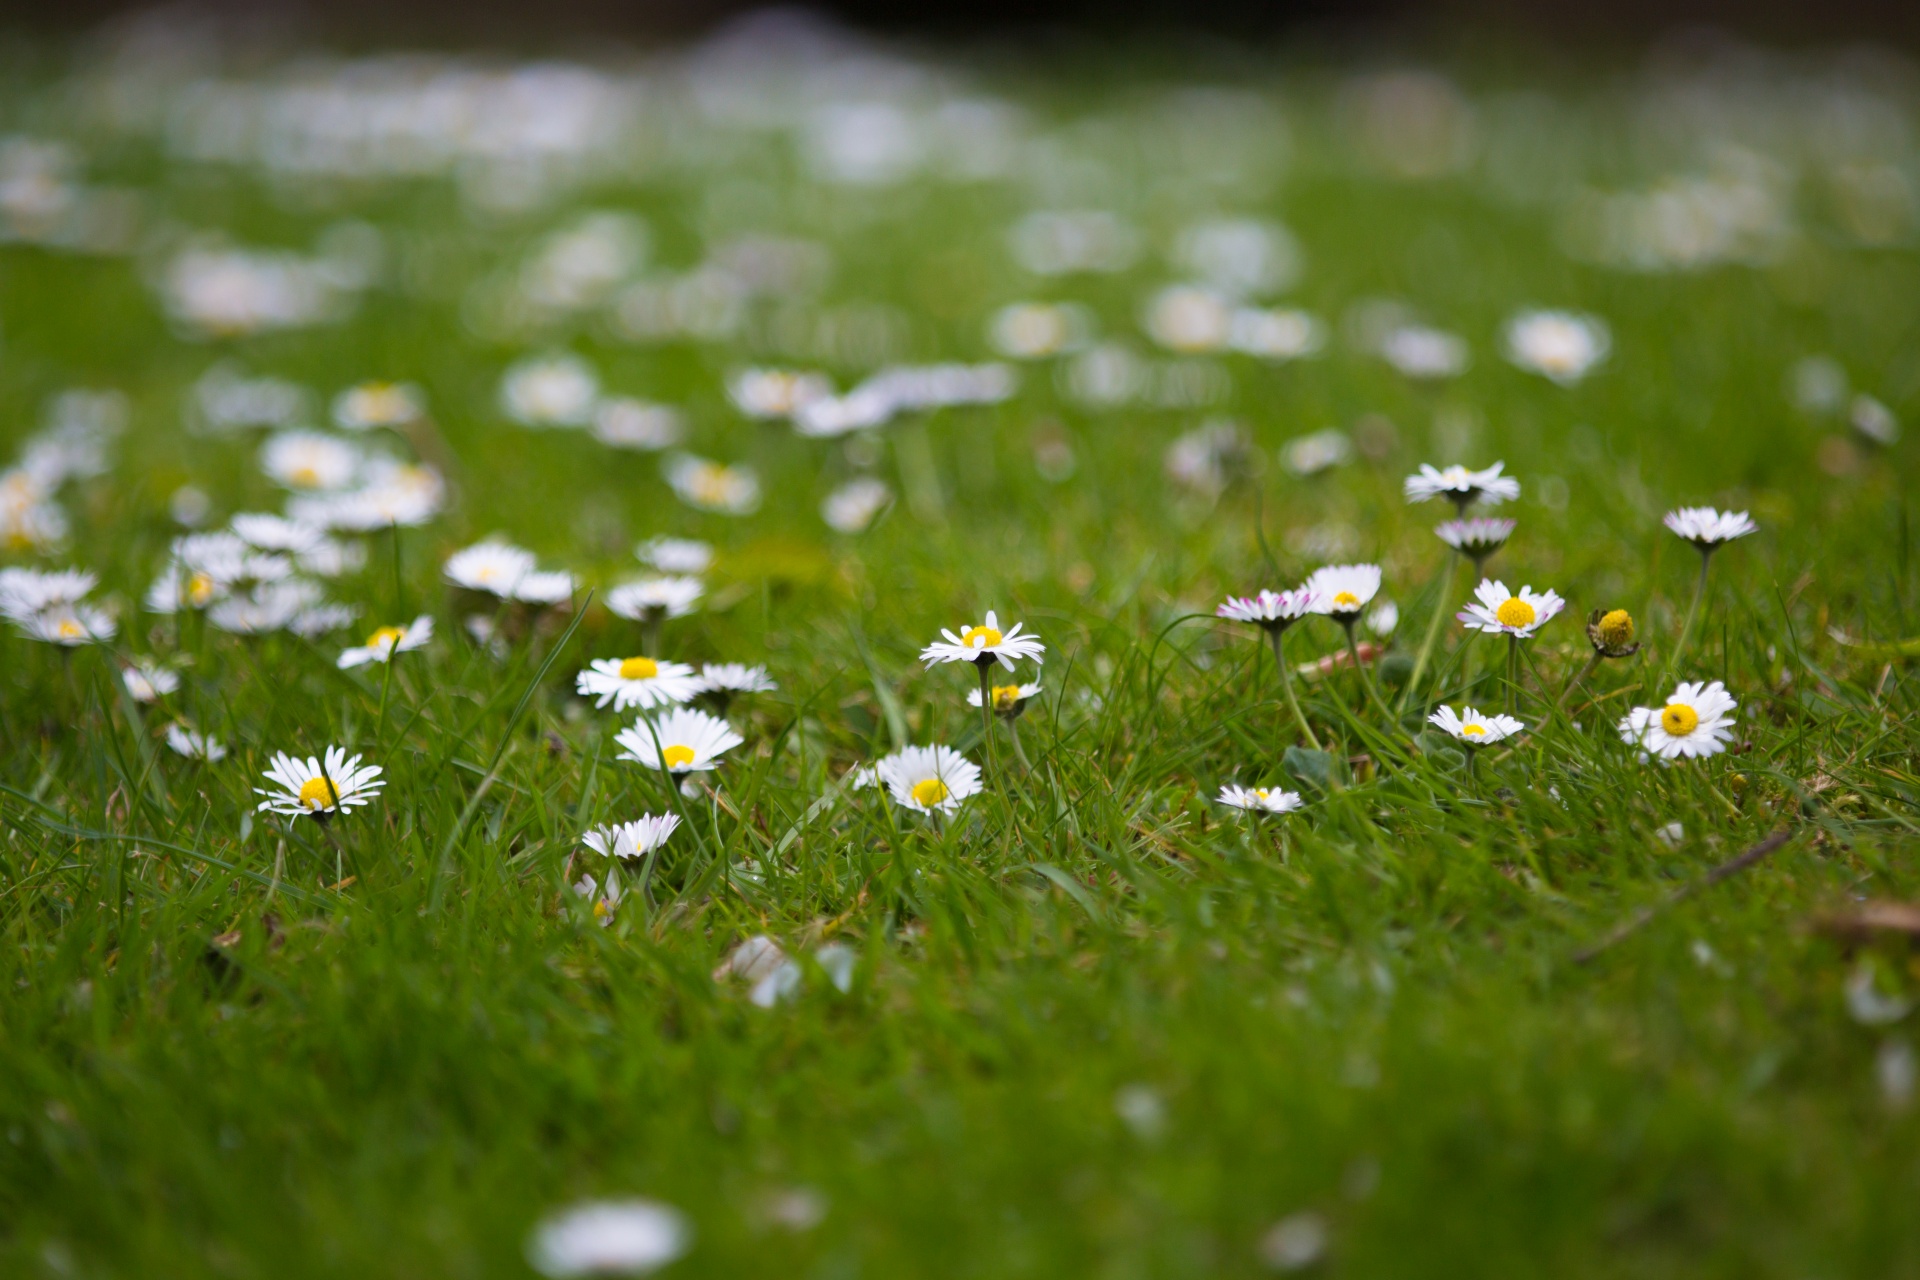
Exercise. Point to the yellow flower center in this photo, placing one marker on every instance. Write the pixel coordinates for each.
(386, 637)
(639, 669)
(677, 755)
(602, 909)
(318, 793)
(930, 792)
(1473, 730)
(1679, 719)
(1260, 794)
(1006, 697)
(710, 484)
(70, 629)
(199, 589)
(305, 476)
(1346, 600)
(1616, 629)
(980, 637)
(1515, 613)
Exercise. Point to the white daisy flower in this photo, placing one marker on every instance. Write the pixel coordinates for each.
(70, 625)
(1696, 722)
(711, 486)
(1259, 799)
(1421, 352)
(654, 599)
(626, 423)
(1273, 610)
(550, 391)
(735, 677)
(379, 404)
(268, 607)
(637, 682)
(387, 641)
(608, 1238)
(776, 393)
(1311, 454)
(675, 555)
(681, 741)
(1188, 319)
(1008, 699)
(1498, 611)
(1474, 729)
(984, 643)
(1561, 345)
(1476, 539)
(1036, 330)
(546, 586)
(606, 901)
(631, 839)
(269, 532)
(393, 495)
(1462, 485)
(1341, 591)
(493, 567)
(1709, 529)
(319, 619)
(195, 745)
(308, 788)
(1383, 618)
(149, 682)
(310, 460)
(853, 506)
(26, 592)
(928, 779)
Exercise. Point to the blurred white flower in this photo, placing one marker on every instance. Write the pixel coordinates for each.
(1560, 345)
(559, 390)
(626, 423)
(711, 486)
(609, 1238)
(852, 507)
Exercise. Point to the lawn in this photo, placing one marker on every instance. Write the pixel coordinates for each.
(1092, 340)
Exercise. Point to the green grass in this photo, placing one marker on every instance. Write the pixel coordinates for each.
(1369, 1010)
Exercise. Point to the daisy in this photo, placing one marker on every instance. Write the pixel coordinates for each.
(69, 625)
(1259, 799)
(631, 839)
(681, 741)
(675, 555)
(387, 641)
(1009, 700)
(1425, 353)
(637, 682)
(493, 567)
(1696, 722)
(1036, 330)
(983, 644)
(1708, 529)
(1463, 486)
(1611, 632)
(653, 599)
(25, 592)
(1561, 345)
(775, 393)
(606, 900)
(550, 391)
(306, 788)
(545, 586)
(735, 677)
(634, 424)
(269, 532)
(1498, 611)
(1341, 591)
(712, 486)
(1476, 539)
(853, 506)
(928, 779)
(1474, 729)
(609, 1237)
(148, 682)
(310, 460)
(379, 404)
(195, 745)
(394, 494)
(268, 607)
(1270, 610)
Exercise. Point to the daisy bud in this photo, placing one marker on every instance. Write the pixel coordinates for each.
(1611, 632)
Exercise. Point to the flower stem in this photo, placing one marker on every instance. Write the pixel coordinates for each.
(1578, 679)
(1433, 630)
(1693, 611)
(986, 712)
(1019, 753)
(1366, 677)
(1513, 671)
(1278, 636)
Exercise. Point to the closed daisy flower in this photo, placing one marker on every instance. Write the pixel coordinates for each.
(631, 839)
(387, 641)
(928, 779)
(652, 599)
(1476, 539)
(1474, 729)
(1259, 799)
(1463, 486)
(1707, 528)
(1270, 610)
(1498, 611)
(146, 682)
(1341, 591)
(1009, 700)
(984, 643)
(307, 788)
(637, 682)
(379, 404)
(681, 741)
(711, 486)
(1696, 722)
(1611, 631)
(195, 745)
